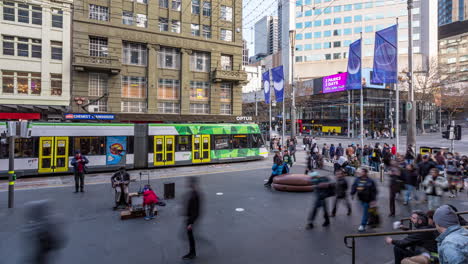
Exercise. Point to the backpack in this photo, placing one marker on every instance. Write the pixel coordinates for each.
(374, 154)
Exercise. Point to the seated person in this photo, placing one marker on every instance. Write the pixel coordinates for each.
(150, 199)
(417, 243)
(342, 163)
(120, 182)
(277, 169)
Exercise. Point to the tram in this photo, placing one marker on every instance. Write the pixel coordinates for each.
(109, 146)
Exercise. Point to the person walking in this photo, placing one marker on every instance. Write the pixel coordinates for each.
(410, 155)
(323, 189)
(394, 187)
(339, 151)
(341, 192)
(435, 186)
(440, 160)
(376, 157)
(79, 169)
(394, 151)
(366, 152)
(411, 182)
(326, 152)
(425, 166)
(453, 175)
(292, 149)
(305, 142)
(332, 152)
(192, 213)
(453, 239)
(366, 191)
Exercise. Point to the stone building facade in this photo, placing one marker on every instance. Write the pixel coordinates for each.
(158, 61)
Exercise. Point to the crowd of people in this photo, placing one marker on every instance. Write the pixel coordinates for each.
(434, 175)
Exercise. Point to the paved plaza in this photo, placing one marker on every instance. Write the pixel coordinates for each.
(242, 222)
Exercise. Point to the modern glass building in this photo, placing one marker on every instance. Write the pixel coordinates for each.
(452, 11)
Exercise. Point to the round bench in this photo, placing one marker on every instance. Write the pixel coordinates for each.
(292, 183)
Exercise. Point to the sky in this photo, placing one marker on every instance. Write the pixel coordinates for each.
(253, 11)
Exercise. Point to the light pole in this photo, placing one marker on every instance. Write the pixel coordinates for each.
(292, 40)
(411, 126)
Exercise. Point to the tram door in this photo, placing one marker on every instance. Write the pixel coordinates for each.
(164, 150)
(53, 154)
(201, 148)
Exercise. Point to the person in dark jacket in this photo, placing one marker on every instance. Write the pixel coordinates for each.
(366, 190)
(292, 150)
(120, 181)
(79, 168)
(425, 166)
(409, 155)
(322, 187)
(411, 182)
(415, 243)
(376, 157)
(395, 185)
(339, 151)
(341, 192)
(277, 157)
(192, 213)
(332, 151)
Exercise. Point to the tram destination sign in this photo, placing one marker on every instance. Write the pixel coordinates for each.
(74, 116)
(334, 83)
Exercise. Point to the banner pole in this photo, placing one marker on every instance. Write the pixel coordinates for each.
(362, 106)
(269, 87)
(397, 108)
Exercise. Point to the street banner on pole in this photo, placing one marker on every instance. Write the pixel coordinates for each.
(278, 83)
(353, 81)
(386, 55)
(266, 86)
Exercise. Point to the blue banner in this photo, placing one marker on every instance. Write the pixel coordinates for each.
(278, 83)
(353, 81)
(116, 150)
(266, 86)
(386, 56)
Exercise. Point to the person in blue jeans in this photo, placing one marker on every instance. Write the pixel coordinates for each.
(366, 191)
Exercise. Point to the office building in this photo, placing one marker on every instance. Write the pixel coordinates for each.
(35, 59)
(453, 51)
(266, 36)
(452, 10)
(245, 53)
(160, 61)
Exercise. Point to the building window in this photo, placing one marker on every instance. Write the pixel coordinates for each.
(133, 107)
(175, 26)
(206, 32)
(141, 21)
(168, 89)
(199, 91)
(195, 30)
(169, 58)
(164, 3)
(206, 8)
(55, 84)
(336, 56)
(23, 13)
(168, 108)
(127, 18)
(27, 83)
(463, 58)
(337, 20)
(36, 15)
(337, 44)
(226, 34)
(99, 12)
(196, 7)
(358, 18)
(97, 84)
(57, 18)
(134, 54)
(163, 24)
(8, 11)
(199, 108)
(226, 13)
(98, 47)
(200, 62)
(99, 106)
(176, 4)
(133, 87)
(451, 60)
(327, 45)
(23, 46)
(225, 109)
(226, 92)
(226, 62)
(141, 1)
(56, 50)
(327, 56)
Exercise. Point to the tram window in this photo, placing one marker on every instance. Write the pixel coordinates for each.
(240, 141)
(24, 147)
(90, 145)
(3, 148)
(129, 149)
(222, 141)
(184, 143)
(257, 141)
(150, 144)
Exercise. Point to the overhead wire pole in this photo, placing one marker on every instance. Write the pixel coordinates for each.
(411, 126)
(292, 37)
(397, 108)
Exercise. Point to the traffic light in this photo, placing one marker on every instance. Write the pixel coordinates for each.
(446, 134)
(458, 132)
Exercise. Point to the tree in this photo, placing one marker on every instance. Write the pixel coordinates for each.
(426, 84)
(454, 97)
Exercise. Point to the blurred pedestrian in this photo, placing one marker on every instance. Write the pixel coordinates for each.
(435, 186)
(292, 149)
(341, 192)
(79, 169)
(394, 151)
(411, 182)
(409, 155)
(366, 191)
(193, 209)
(339, 151)
(453, 175)
(395, 186)
(323, 189)
(332, 152)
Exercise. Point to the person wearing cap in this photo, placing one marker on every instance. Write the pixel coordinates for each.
(453, 239)
(323, 189)
(435, 186)
(366, 190)
(79, 168)
(120, 181)
(415, 243)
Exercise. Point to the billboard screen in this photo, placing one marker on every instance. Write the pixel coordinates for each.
(334, 83)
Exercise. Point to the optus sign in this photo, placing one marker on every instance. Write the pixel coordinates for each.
(334, 83)
(244, 118)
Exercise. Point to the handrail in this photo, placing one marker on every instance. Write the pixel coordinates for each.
(396, 233)
(411, 224)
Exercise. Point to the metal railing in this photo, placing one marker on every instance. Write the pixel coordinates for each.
(396, 233)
